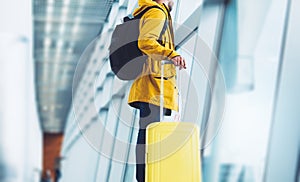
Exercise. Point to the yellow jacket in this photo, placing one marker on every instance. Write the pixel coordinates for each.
(147, 87)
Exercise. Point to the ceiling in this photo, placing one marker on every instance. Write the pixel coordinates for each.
(62, 30)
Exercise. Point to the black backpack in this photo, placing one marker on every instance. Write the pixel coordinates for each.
(126, 59)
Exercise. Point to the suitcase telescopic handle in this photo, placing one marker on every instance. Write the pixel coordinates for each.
(164, 62)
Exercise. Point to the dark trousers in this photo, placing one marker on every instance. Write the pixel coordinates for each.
(148, 114)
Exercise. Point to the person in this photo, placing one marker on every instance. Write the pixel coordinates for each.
(57, 168)
(47, 177)
(145, 90)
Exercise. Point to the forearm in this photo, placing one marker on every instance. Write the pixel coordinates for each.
(153, 49)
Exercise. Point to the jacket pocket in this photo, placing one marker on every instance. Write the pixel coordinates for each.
(155, 68)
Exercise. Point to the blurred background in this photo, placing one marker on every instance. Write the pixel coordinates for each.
(56, 90)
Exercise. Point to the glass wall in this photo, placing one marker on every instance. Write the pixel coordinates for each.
(20, 132)
(250, 53)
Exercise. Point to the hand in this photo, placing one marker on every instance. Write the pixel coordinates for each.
(179, 61)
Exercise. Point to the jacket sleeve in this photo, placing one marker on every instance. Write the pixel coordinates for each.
(151, 26)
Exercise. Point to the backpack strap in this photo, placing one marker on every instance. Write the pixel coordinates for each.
(139, 16)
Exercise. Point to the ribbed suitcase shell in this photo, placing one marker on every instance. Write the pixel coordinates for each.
(173, 152)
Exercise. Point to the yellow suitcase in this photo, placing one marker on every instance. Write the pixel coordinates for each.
(172, 149)
(172, 152)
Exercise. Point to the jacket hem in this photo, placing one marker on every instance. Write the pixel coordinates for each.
(167, 106)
